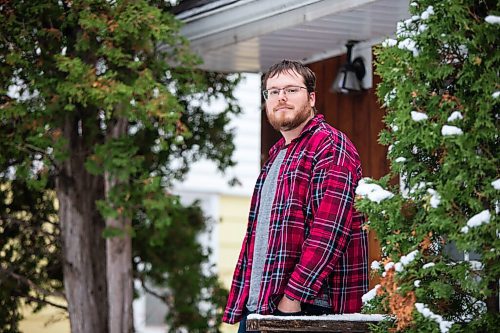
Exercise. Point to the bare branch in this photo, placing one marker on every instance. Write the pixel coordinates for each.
(166, 298)
(44, 301)
(24, 280)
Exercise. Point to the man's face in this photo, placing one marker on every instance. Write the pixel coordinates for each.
(286, 112)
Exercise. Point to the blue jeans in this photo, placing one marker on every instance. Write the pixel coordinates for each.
(307, 310)
(243, 322)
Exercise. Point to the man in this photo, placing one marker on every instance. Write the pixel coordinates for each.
(304, 251)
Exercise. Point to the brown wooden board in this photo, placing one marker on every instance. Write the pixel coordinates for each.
(307, 325)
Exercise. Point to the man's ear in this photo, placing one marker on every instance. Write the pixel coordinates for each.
(312, 99)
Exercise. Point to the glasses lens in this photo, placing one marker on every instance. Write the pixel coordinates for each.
(274, 92)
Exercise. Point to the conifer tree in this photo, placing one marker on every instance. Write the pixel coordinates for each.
(436, 212)
(102, 107)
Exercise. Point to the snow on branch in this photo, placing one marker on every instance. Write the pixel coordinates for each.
(492, 19)
(477, 220)
(418, 116)
(448, 130)
(444, 326)
(370, 294)
(373, 192)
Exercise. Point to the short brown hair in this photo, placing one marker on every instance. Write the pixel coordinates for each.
(292, 65)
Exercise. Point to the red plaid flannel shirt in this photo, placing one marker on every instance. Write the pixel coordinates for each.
(316, 246)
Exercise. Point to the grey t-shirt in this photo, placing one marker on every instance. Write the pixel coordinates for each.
(262, 232)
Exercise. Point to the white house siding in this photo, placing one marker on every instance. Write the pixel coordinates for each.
(204, 176)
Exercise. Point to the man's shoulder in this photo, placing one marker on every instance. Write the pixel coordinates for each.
(329, 141)
(327, 135)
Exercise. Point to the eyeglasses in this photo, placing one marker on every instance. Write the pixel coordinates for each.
(273, 93)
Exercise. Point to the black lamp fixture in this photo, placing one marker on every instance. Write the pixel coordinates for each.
(348, 80)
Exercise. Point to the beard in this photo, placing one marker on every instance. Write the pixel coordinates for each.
(290, 119)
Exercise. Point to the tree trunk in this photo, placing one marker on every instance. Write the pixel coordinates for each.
(83, 247)
(119, 258)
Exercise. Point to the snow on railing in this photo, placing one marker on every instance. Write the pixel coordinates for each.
(354, 322)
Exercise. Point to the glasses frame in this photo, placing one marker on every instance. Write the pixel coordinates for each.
(265, 93)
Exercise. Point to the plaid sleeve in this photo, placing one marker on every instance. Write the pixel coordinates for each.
(235, 303)
(332, 196)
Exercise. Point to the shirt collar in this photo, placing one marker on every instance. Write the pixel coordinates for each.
(311, 125)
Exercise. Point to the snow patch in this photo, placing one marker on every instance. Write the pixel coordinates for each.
(100, 66)
(463, 51)
(492, 19)
(373, 192)
(428, 265)
(495, 94)
(37, 165)
(427, 13)
(400, 160)
(407, 259)
(388, 266)
(156, 92)
(476, 265)
(402, 29)
(496, 184)
(419, 186)
(19, 90)
(418, 116)
(435, 198)
(448, 130)
(398, 267)
(370, 294)
(389, 97)
(410, 45)
(389, 42)
(375, 265)
(444, 326)
(333, 317)
(456, 115)
(477, 220)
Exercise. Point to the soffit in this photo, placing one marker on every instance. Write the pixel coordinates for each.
(251, 35)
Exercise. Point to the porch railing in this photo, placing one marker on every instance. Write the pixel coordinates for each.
(347, 323)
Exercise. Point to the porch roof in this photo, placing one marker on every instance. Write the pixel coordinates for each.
(251, 35)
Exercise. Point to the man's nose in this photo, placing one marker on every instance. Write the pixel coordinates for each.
(282, 94)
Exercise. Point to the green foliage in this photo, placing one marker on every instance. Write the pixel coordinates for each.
(173, 257)
(440, 88)
(70, 71)
(29, 250)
